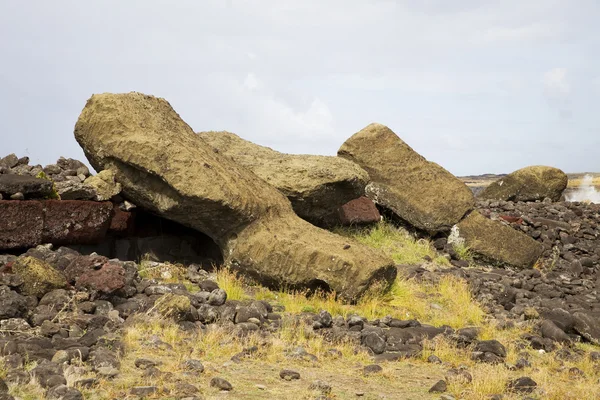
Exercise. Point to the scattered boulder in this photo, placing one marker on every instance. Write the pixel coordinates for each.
(361, 211)
(10, 161)
(12, 304)
(174, 306)
(166, 168)
(317, 186)
(221, 384)
(440, 387)
(372, 369)
(63, 392)
(418, 191)
(528, 184)
(289, 375)
(523, 384)
(587, 325)
(549, 330)
(38, 277)
(497, 243)
(106, 280)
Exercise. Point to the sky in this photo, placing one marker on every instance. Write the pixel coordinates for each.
(476, 86)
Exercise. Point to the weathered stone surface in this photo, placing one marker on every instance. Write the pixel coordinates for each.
(528, 184)
(418, 191)
(498, 243)
(21, 224)
(550, 330)
(165, 167)
(174, 306)
(9, 161)
(121, 221)
(75, 222)
(587, 324)
(26, 224)
(12, 304)
(109, 278)
(104, 185)
(316, 185)
(361, 211)
(71, 190)
(29, 186)
(38, 277)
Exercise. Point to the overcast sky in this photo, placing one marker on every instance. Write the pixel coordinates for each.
(475, 86)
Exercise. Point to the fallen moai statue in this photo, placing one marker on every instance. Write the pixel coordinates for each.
(532, 183)
(317, 186)
(418, 191)
(164, 167)
(430, 198)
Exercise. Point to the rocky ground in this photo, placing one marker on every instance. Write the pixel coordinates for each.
(116, 330)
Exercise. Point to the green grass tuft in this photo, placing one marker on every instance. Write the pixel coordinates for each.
(397, 242)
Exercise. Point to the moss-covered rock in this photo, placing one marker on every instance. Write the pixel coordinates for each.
(173, 306)
(104, 185)
(528, 184)
(418, 191)
(38, 277)
(54, 193)
(498, 243)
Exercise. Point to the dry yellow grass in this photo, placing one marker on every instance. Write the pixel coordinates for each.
(445, 302)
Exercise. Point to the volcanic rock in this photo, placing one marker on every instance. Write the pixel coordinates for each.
(108, 279)
(166, 168)
(12, 304)
(418, 191)
(38, 277)
(29, 186)
(174, 306)
(361, 211)
(26, 224)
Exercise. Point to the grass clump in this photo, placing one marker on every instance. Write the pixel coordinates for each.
(463, 251)
(397, 242)
(231, 283)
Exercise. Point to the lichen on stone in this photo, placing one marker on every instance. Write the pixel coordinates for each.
(38, 277)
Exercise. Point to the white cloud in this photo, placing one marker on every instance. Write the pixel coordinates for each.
(303, 75)
(268, 116)
(251, 83)
(556, 83)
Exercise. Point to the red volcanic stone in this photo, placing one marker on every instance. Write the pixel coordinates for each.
(75, 222)
(107, 279)
(359, 211)
(21, 224)
(82, 265)
(25, 224)
(510, 219)
(121, 221)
